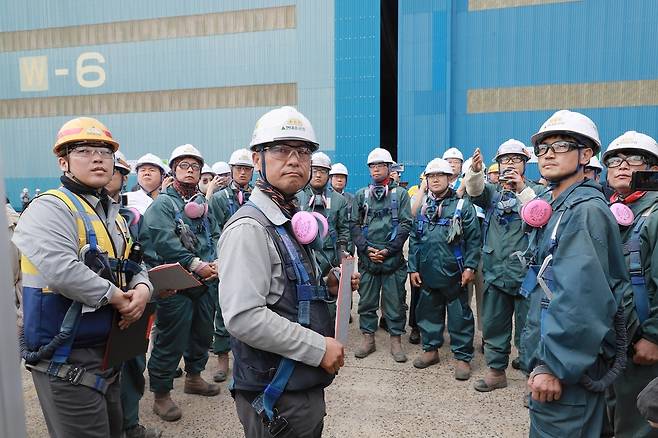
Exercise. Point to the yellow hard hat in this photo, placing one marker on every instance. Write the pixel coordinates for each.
(493, 168)
(83, 129)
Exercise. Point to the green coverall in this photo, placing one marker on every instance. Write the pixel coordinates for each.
(185, 319)
(627, 420)
(502, 236)
(222, 205)
(575, 334)
(434, 258)
(388, 277)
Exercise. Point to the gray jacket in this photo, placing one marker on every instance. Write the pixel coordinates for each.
(47, 234)
(251, 278)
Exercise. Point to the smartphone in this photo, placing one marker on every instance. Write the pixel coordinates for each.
(645, 180)
(504, 176)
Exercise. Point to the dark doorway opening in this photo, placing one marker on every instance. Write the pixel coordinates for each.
(388, 110)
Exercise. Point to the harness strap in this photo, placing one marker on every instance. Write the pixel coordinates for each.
(457, 248)
(75, 375)
(638, 282)
(89, 229)
(394, 214)
(487, 217)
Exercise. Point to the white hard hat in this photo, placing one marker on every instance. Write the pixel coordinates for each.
(379, 155)
(453, 153)
(153, 160)
(206, 169)
(595, 164)
(338, 169)
(569, 123)
(512, 146)
(241, 157)
(635, 141)
(120, 162)
(285, 123)
(221, 168)
(186, 150)
(320, 159)
(438, 165)
(466, 166)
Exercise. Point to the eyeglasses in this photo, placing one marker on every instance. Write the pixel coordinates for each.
(631, 160)
(511, 159)
(88, 152)
(282, 152)
(241, 169)
(378, 165)
(558, 147)
(185, 165)
(319, 170)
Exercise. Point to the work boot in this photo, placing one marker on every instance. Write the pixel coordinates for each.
(462, 370)
(165, 408)
(414, 336)
(428, 358)
(493, 379)
(140, 431)
(367, 346)
(396, 349)
(194, 384)
(516, 364)
(222, 371)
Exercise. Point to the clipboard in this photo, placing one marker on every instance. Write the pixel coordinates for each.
(172, 276)
(344, 300)
(123, 345)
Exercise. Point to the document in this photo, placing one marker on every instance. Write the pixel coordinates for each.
(172, 276)
(123, 345)
(344, 300)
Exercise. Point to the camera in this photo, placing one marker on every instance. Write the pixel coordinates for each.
(645, 180)
(505, 175)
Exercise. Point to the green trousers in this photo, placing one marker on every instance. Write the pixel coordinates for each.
(389, 288)
(185, 328)
(498, 309)
(221, 339)
(578, 414)
(132, 389)
(431, 315)
(622, 401)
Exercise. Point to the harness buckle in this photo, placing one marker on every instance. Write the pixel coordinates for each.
(74, 375)
(277, 425)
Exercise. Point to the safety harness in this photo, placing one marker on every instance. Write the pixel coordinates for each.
(51, 358)
(543, 276)
(187, 237)
(369, 215)
(307, 292)
(456, 244)
(635, 269)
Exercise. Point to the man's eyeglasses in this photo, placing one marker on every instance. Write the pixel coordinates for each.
(511, 159)
(282, 152)
(319, 171)
(631, 160)
(185, 165)
(89, 151)
(558, 147)
(378, 165)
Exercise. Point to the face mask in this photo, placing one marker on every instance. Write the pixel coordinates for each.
(310, 228)
(194, 210)
(622, 213)
(536, 213)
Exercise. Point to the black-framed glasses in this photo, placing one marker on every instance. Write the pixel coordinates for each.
(319, 170)
(185, 165)
(377, 165)
(282, 152)
(511, 159)
(558, 147)
(631, 160)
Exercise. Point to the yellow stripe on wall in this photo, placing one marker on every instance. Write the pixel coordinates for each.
(547, 97)
(481, 5)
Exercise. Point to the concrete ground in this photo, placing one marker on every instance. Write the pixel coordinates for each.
(371, 397)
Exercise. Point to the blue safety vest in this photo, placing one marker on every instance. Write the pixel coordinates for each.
(457, 247)
(368, 215)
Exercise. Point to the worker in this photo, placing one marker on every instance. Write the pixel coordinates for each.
(493, 173)
(207, 175)
(223, 174)
(179, 229)
(575, 325)
(503, 241)
(444, 251)
(593, 169)
(317, 197)
(75, 251)
(278, 317)
(456, 160)
(151, 178)
(629, 153)
(227, 201)
(380, 224)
